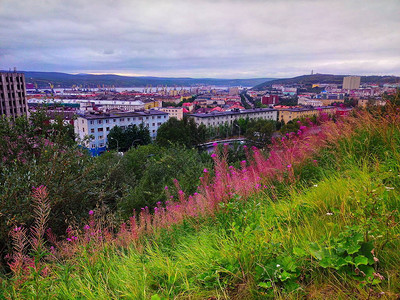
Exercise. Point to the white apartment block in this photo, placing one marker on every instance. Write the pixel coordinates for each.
(308, 101)
(220, 118)
(98, 126)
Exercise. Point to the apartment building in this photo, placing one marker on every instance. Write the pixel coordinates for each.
(220, 118)
(98, 125)
(173, 112)
(290, 114)
(13, 94)
(351, 82)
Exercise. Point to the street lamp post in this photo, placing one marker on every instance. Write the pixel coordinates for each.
(239, 129)
(111, 138)
(133, 142)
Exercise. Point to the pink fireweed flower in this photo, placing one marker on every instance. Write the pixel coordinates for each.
(205, 171)
(166, 188)
(91, 212)
(180, 192)
(87, 227)
(215, 144)
(289, 165)
(213, 155)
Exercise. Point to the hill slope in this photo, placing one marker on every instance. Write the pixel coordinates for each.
(317, 219)
(325, 78)
(65, 80)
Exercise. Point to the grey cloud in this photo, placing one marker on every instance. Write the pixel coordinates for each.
(201, 38)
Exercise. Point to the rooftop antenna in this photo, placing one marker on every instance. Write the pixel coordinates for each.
(312, 72)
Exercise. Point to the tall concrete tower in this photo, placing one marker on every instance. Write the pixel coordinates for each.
(351, 82)
(13, 101)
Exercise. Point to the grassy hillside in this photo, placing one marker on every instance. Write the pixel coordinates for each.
(318, 218)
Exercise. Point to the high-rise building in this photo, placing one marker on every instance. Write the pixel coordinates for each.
(13, 94)
(351, 82)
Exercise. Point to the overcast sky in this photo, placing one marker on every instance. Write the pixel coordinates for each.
(204, 38)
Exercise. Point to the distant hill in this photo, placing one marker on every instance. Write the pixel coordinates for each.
(64, 80)
(325, 78)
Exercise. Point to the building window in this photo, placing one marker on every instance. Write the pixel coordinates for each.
(100, 121)
(154, 124)
(100, 130)
(83, 121)
(121, 120)
(93, 145)
(100, 137)
(129, 119)
(92, 130)
(91, 122)
(101, 145)
(108, 129)
(115, 120)
(107, 121)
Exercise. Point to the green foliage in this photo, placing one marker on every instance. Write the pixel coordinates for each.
(154, 168)
(348, 253)
(123, 139)
(183, 132)
(259, 132)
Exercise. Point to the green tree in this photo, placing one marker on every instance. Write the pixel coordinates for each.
(182, 132)
(123, 139)
(259, 132)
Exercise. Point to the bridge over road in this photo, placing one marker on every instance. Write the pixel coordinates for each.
(209, 146)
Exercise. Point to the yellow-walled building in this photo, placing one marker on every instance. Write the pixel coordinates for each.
(290, 114)
(152, 104)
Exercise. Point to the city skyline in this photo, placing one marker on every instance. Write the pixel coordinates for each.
(218, 39)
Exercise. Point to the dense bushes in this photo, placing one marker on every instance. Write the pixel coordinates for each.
(141, 174)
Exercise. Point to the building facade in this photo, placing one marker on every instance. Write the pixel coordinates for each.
(98, 125)
(173, 112)
(270, 99)
(290, 114)
(351, 82)
(13, 95)
(220, 118)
